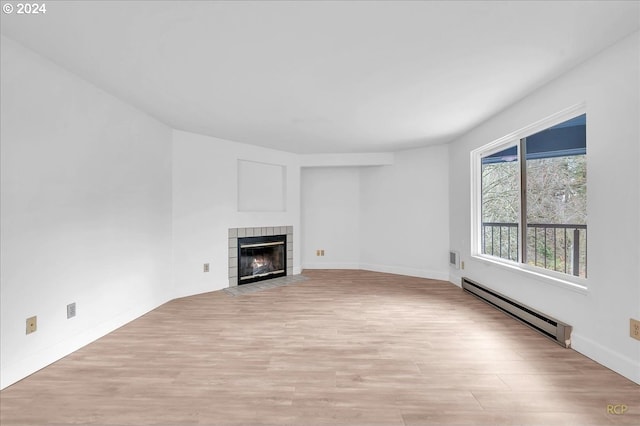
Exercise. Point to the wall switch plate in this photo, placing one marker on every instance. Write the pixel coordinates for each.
(634, 329)
(32, 324)
(71, 310)
(206, 267)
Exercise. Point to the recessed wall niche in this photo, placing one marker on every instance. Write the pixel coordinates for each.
(261, 187)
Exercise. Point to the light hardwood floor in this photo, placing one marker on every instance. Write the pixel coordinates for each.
(343, 347)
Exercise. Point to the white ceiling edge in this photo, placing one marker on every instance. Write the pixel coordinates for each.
(388, 76)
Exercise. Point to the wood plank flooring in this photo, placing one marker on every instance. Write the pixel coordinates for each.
(341, 348)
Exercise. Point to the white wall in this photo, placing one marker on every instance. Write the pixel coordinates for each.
(404, 214)
(609, 85)
(392, 218)
(360, 159)
(205, 206)
(85, 212)
(261, 187)
(331, 217)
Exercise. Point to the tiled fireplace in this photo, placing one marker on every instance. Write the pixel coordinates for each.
(252, 238)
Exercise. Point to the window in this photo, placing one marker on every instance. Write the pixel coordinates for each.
(531, 198)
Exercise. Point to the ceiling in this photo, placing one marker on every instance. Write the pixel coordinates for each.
(323, 77)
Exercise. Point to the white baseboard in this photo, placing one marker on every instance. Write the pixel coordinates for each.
(621, 364)
(341, 265)
(12, 373)
(411, 272)
(455, 278)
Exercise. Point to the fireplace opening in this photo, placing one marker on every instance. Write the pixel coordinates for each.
(261, 258)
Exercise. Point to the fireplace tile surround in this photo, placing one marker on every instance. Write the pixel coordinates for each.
(235, 233)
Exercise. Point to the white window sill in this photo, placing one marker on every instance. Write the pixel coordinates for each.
(578, 285)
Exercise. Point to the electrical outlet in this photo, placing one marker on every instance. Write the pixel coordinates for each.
(206, 267)
(462, 265)
(634, 330)
(71, 310)
(32, 324)
(321, 252)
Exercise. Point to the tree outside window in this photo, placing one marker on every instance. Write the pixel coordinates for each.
(534, 199)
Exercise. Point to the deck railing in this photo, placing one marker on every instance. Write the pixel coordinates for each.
(558, 247)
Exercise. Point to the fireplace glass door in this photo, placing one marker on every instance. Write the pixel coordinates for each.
(261, 258)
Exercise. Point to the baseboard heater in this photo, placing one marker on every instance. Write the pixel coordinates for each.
(549, 327)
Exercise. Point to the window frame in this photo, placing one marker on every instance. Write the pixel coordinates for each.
(578, 284)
